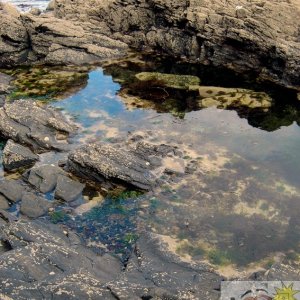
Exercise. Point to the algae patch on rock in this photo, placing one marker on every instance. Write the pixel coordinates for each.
(46, 82)
(233, 97)
(181, 82)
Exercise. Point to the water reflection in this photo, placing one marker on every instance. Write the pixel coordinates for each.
(236, 206)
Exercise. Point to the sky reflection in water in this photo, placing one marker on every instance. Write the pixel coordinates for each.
(245, 197)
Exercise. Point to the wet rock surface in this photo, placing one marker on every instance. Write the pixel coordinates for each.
(28, 123)
(52, 263)
(17, 156)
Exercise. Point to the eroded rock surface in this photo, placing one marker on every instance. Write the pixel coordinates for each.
(133, 164)
(14, 41)
(16, 156)
(52, 263)
(262, 36)
(28, 123)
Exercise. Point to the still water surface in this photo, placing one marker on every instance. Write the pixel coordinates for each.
(237, 208)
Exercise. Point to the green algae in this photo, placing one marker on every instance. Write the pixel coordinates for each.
(43, 83)
(181, 82)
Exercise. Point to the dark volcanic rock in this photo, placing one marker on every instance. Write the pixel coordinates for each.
(44, 178)
(12, 190)
(33, 125)
(100, 162)
(16, 156)
(34, 206)
(68, 189)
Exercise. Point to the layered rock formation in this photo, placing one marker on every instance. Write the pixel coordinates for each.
(244, 35)
(28, 123)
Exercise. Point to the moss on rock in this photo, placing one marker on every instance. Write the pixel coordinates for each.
(233, 98)
(46, 82)
(181, 82)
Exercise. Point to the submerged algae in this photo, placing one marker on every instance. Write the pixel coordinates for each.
(47, 82)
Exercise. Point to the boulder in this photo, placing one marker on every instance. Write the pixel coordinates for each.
(5, 86)
(44, 178)
(17, 156)
(31, 124)
(101, 162)
(12, 190)
(35, 11)
(34, 206)
(67, 189)
(14, 42)
(133, 162)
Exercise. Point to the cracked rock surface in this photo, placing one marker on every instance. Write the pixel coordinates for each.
(30, 124)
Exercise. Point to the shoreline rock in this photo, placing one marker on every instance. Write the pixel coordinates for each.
(16, 156)
(247, 37)
(35, 126)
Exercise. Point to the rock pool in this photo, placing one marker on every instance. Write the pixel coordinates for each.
(231, 201)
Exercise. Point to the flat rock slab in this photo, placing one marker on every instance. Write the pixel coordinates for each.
(34, 206)
(17, 156)
(44, 178)
(106, 162)
(68, 189)
(49, 263)
(29, 123)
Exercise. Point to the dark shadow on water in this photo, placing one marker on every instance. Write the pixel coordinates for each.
(285, 109)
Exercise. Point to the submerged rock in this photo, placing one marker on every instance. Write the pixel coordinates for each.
(17, 156)
(47, 82)
(233, 98)
(181, 82)
(28, 123)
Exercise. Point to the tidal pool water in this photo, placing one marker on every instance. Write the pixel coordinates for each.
(237, 205)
